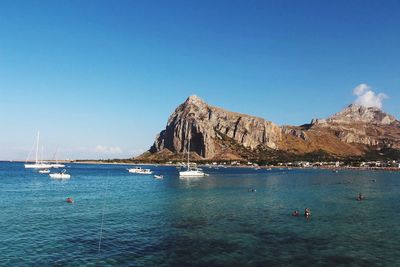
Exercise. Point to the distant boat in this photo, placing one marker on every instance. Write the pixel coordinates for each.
(56, 165)
(60, 175)
(44, 171)
(191, 171)
(159, 176)
(140, 170)
(38, 164)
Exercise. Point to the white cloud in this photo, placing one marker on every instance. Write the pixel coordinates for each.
(108, 150)
(368, 98)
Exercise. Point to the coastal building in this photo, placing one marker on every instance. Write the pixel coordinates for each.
(303, 164)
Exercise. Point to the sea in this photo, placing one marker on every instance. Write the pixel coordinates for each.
(233, 217)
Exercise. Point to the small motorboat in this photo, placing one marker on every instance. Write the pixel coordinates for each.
(139, 170)
(44, 171)
(158, 176)
(60, 175)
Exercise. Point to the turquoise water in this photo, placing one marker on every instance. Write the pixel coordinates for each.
(213, 221)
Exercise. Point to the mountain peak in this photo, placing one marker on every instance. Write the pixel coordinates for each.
(217, 134)
(194, 99)
(360, 108)
(358, 113)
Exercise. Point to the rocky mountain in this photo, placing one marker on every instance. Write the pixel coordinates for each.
(218, 134)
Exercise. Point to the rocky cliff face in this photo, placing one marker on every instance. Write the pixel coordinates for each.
(207, 126)
(217, 134)
(363, 125)
(359, 114)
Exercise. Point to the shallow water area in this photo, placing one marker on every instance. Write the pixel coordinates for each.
(211, 221)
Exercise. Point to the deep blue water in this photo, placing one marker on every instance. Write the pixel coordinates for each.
(213, 221)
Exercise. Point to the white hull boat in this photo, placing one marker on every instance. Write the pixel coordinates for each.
(38, 163)
(139, 170)
(192, 173)
(158, 176)
(44, 171)
(37, 166)
(60, 175)
(57, 165)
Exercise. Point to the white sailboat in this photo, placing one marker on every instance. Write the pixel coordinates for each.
(191, 171)
(57, 164)
(38, 164)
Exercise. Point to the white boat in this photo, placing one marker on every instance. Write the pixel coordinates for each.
(191, 171)
(140, 170)
(38, 164)
(60, 175)
(159, 176)
(44, 171)
(56, 165)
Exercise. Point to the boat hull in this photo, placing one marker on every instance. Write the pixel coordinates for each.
(57, 165)
(60, 176)
(37, 166)
(140, 171)
(191, 174)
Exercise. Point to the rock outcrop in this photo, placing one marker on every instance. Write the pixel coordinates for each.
(217, 134)
(363, 125)
(359, 114)
(206, 127)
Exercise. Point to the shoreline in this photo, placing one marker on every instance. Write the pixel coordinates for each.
(332, 168)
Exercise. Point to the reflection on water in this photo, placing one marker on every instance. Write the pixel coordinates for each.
(215, 220)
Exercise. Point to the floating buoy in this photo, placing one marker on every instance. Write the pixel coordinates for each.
(70, 200)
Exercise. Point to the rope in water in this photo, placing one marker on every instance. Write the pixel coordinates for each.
(102, 221)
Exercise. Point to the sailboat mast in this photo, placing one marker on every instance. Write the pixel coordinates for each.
(188, 147)
(37, 147)
(41, 155)
(188, 153)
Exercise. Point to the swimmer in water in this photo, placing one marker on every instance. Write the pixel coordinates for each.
(295, 213)
(307, 212)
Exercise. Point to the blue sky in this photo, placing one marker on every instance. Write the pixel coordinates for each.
(100, 78)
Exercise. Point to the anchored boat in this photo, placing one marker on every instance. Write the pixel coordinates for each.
(191, 171)
(38, 164)
(140, 170)
(60, 175)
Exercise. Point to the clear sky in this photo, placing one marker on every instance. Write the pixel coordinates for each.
(100, 78)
